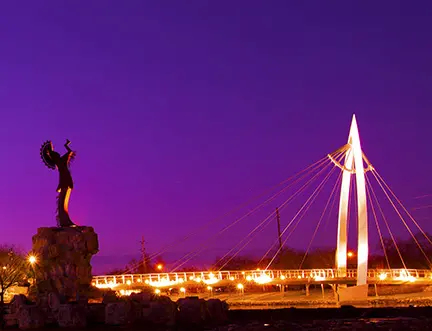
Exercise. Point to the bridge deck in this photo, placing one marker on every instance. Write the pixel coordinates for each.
(223, 278)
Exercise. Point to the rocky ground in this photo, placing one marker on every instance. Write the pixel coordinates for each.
(294, 311)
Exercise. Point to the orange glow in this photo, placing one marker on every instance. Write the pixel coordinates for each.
(159, 267)
(32, 259)
(350, 254)
(66, 203)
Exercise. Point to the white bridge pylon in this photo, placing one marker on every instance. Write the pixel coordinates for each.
(353, 165)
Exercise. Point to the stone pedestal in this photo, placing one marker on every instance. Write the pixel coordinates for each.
(63, 260)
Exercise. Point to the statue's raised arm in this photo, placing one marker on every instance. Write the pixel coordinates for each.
(53, 161)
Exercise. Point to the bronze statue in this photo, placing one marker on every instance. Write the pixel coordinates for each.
(53, 160)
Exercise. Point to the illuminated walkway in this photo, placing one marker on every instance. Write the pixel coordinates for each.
(269, 277)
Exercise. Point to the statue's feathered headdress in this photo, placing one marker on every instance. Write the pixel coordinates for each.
(45, 150)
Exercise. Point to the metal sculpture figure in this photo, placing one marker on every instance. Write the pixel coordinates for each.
(53, 161)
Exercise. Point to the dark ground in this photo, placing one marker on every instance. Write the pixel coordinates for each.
(345, 318)
(323, 319)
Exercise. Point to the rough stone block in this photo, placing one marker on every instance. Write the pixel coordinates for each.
(142, 297)
(17, 302)
(30, 317)
(72, 315)
(96, 313)
(161, 311)
(109, 297)
(217, 311)
(54, 301)
(191, 310)
(117, 313)
(64, 259)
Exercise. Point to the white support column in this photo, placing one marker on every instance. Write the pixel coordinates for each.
(353, 161)
(362, 245)
(342, 241)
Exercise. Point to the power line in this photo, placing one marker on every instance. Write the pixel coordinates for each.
(279, 228)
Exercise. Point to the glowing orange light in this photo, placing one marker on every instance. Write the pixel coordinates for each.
(159, 267)
(350, 254)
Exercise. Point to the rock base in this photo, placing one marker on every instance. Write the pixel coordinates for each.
(64, 255)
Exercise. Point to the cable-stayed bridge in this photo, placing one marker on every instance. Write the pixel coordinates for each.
(358, 200)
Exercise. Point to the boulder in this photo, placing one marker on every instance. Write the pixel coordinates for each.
(142, 297)
(117, 313)
(109, 297)
(17, 302)
(72, 315)
(217, 311)
(161, 311)
(54, 301)
(96, 313)
(191, 311)
(30, 317)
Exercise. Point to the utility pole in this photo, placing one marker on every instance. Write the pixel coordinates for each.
(279, 229)
(143, 254)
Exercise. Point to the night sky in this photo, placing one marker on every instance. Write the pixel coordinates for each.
(181, 110)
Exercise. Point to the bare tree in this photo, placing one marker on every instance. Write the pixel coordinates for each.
(13, 269)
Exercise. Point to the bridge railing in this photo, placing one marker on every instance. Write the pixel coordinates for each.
(258, 276)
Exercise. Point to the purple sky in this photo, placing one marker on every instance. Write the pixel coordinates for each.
(181, 110)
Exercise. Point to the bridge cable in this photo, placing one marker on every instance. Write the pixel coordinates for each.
(387, 225)
(368, 189)
(377, 175)
(191, 255)
(233, 210)
(310, 199)
(423, 196)
(299, 219)
(332, 194)
(422, 207)
(404, 222)
(203, 246)
(290, 223)
(267, 219)
(331, 209)
(263, 224)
